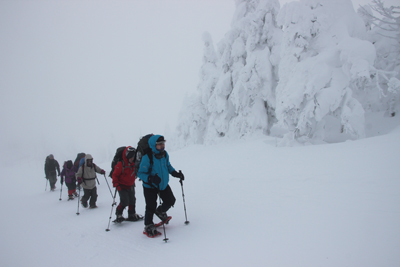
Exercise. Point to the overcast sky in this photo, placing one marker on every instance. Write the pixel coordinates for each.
(79, 75)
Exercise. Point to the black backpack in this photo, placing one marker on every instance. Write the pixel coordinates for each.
(143, 149)
(116, 159)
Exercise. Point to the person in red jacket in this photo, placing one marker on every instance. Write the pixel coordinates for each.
(124, 181)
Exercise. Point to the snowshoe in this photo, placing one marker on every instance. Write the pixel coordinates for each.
(119, 219)
(93, 206)
(151, 231)
(134, 217)
(166, 221)
(84, 204)
(161, 214)
(70, 198)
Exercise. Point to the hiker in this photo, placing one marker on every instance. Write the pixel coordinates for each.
(86, 177)
(155, 179)
(123, 178)
(68, 175)
(51, 169)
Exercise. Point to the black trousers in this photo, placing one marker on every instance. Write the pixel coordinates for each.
(71, 186)
(150, 196)
(90, 193)
(127, 198)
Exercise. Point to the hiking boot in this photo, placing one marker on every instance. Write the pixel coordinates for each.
(75, 194)
(162, 215)
(93, 206)
(151, 231)
(70, 197)
(84, 204)
(120, 218)
(134, 217)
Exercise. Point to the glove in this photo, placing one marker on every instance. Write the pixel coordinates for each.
(79, 180)
(102, 172)
(154, 179)
(178, 175)
(117, 186)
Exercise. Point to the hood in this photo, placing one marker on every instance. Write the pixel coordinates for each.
(152, 143)
(68, 164)
(124, 155)
(88, 156)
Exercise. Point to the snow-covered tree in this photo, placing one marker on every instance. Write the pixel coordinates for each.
(237, 83)
(383, 25)
(323, 62)
(308, 69)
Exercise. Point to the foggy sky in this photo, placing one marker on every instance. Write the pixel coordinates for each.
(93, 75)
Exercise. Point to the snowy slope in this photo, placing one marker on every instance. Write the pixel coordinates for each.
(249, 203)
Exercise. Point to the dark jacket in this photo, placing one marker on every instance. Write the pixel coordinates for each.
(51, 166)
(68, 172)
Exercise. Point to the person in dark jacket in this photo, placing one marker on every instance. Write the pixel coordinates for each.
(123, 179)
(68, 175)
(155, 179)
(51, 169)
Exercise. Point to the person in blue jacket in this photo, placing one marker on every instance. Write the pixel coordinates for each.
(155, 179)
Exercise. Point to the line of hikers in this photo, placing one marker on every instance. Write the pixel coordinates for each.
(149, 162)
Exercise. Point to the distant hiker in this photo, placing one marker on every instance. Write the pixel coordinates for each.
(68, 175)
(86, 177)
(155, 179)
(123, 178)
(51, 169)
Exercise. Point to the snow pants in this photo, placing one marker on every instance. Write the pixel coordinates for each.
(150, 196)
(71, 188)
(90, 193)
(126, 198)
(52, 180)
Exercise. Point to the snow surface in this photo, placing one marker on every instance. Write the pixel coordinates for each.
(249, 203)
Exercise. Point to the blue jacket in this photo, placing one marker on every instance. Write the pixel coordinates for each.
(162, 167)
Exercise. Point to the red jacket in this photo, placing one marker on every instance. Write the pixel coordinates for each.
(124, 174)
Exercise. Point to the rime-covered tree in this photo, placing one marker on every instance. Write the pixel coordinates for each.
(237, 82)
(323, 61)
(309, 69)
(383, 25)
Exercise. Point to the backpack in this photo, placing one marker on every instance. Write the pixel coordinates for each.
(142, 149)
(117, 158)
(77, 160)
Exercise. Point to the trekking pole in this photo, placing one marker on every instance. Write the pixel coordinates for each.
(61, 192)
(112, 207)
(108, 186)
(184, 205)
(79, 197)
(165, 235)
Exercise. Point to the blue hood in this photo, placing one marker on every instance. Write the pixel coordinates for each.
(152, 143)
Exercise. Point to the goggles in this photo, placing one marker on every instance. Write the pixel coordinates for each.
(130, 150)
(160, 143)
